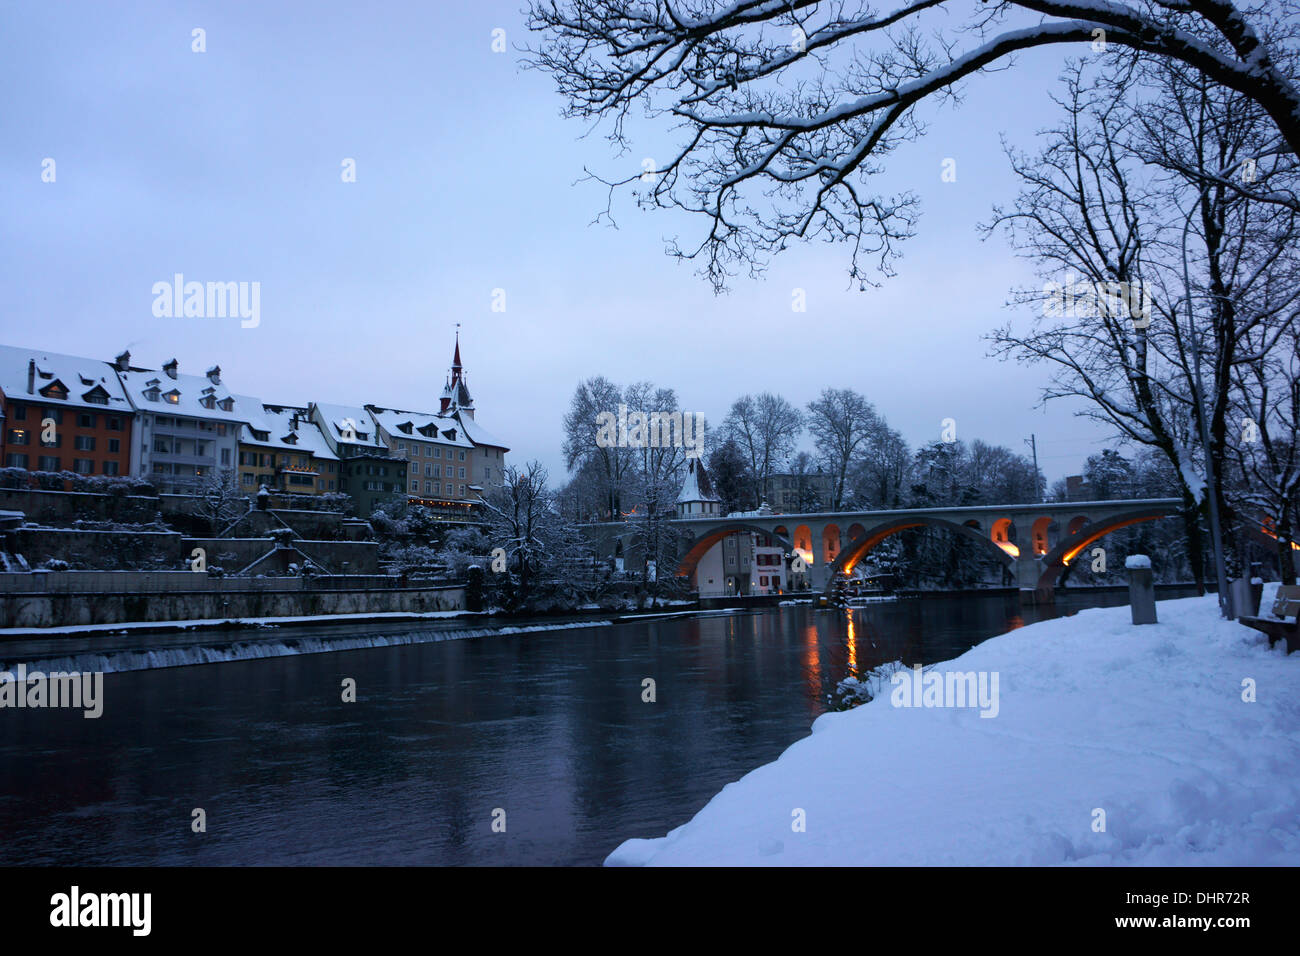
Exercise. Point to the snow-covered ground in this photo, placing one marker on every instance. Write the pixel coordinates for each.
(1146, 724)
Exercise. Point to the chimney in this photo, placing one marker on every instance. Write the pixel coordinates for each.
(31, 376)
(170, 368)
(123, 362)
(214, 374)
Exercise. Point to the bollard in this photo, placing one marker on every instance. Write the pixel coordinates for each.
(1141, 589)
(1244, 602)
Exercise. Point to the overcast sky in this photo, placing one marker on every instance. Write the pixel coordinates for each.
(225, 166)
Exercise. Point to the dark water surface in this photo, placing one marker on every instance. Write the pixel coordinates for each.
(548, 726)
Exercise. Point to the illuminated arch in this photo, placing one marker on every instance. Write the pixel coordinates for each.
(856, 531)
(1039, 536)
(1076, 525)
(859, 548)
(802, 543)
(1001, 535)
(700, 547)
(1069, 548)
(830, 543)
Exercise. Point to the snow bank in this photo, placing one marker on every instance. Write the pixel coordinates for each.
(1146, 724)
(1137, 561)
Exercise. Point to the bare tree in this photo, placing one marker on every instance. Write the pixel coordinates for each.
(1102, 201)
(842, 423)
(218, 500)
(787, 105)
(613, 464)
(519, 514)
(766, 427)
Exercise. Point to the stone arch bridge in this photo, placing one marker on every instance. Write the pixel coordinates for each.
(1035, 542)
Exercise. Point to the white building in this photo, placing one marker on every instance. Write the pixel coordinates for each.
(187, 426)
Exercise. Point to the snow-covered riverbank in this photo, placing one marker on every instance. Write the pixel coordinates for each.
(1144, 725)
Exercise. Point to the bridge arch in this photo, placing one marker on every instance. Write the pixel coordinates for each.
(1083, 535)
(858, 548)
(700, 547)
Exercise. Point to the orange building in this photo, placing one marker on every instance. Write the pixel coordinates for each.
(62, 413)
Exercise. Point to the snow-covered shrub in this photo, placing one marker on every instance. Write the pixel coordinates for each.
(861, 687)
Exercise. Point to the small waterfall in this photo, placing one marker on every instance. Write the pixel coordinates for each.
(145, 658)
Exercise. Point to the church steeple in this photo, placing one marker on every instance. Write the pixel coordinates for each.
(455, 395)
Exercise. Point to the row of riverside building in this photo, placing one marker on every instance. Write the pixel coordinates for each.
(179, 431)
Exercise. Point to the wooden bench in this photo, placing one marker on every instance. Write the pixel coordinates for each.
(1278, 627)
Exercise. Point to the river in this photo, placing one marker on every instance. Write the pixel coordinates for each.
(544, 731)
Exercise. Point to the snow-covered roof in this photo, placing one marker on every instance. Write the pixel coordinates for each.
(421, 426)
(283, 434)
(187, 395)
(480, 435)
(79, 376)
(336, 417)
(697, 486)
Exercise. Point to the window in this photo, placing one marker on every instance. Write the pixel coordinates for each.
(437, 453)
(428, 487)
(462, 491)
(415, 485)
(221, 428)
(110, 468)
(49, 463)
(19, 436)
(84, 442)
(437, 471)
(15, 461)
(19, 412)
(462, 474)
(162, 446)
(247, 478)
(331, 485)
(428, 469)
(401, 446)
(86, 420)
(83, 466)
(225, 452)
(462, 457)
(113, 423)
(55, 413)
(487, 473)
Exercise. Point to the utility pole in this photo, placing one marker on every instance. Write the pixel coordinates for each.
(1032, 442)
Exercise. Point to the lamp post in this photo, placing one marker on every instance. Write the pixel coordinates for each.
(1211, 496)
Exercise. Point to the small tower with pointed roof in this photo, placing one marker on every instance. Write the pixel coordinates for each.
(697, 498)
(455, 395)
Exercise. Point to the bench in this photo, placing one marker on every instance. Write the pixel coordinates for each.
(1278, 627)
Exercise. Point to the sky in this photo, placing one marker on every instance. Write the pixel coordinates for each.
(227, 166)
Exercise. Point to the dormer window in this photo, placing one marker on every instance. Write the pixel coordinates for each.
(151, 394)
(405, 428)
(208, 401)
(173, 397)
(227, 404)
(96, 396)
(55, 390)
